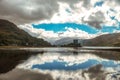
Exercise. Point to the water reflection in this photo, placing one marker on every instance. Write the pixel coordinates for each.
(76, 64)
(59, 65)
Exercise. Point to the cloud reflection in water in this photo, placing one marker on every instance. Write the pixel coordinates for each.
(74, 66)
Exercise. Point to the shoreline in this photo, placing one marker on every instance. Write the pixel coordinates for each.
(77, 48)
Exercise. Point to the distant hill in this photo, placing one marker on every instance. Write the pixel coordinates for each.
(65, 41)
(11, 35)
(104, 40)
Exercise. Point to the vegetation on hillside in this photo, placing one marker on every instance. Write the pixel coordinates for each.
(104, 40)
(11, 35)
(71, 45)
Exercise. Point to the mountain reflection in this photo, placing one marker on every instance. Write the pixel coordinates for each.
(76, 64)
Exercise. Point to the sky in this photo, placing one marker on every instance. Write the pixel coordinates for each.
(56, 19)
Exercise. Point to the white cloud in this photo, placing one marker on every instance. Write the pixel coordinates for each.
(58, 11)
(51, 36)
(85, 12)
(70, 32)
(61, 57)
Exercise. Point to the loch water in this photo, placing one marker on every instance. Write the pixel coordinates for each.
(75, 63)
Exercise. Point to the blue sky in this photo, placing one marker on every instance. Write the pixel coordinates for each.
(60, 27)
(57, 27)
(99, 3)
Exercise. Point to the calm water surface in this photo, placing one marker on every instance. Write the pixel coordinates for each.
(75, 64)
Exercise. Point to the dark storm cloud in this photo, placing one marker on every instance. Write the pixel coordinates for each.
(95, 19)
(99, 16)
(19, 74)
(70, 2)
(27, 11)
(95, 24)
(116, 1)
(22, 11)
(95, 72)
(86, 3)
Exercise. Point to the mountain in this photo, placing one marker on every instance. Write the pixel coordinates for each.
(65, 41)
(11, 35)
(104, 40)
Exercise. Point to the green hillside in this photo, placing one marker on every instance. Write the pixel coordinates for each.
(104, 40)
(11, 35)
